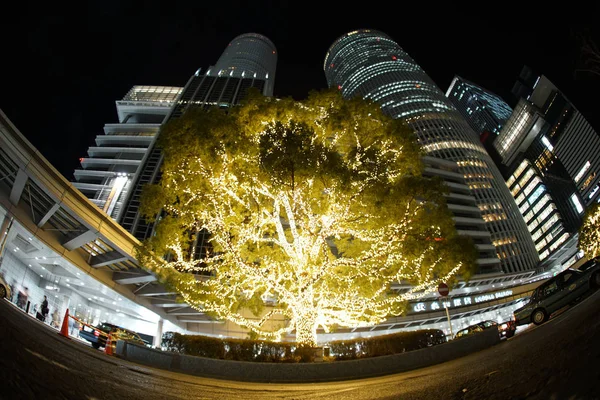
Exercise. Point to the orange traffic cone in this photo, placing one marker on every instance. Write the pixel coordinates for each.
(64, 330)
(108, 346)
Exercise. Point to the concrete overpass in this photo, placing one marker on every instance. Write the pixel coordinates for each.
(45, 206)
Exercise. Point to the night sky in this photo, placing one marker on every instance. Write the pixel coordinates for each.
(63, 69)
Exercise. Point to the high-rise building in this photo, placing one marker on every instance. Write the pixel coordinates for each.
(467, 216)
(555, 239)
(574, 141)
(542, 188)
(248, 61)
(370, 64)
(522, 128)
(126, 156)
(525, 83)
(106, 173)
(483, 110)
(552, 156)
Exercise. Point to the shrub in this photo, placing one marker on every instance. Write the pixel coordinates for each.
(260, 350)
(385, 345)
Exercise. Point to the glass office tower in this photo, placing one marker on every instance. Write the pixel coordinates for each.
(370, 64)
(482, 109)
(540, 185)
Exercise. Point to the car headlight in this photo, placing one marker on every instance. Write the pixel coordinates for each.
(503, 326)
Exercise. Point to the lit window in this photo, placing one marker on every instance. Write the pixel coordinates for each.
(547, 143)
(576, 203)
(582, 171)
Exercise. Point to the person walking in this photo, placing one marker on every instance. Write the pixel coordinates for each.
(43, 312)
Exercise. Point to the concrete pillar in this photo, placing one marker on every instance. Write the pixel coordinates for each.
(4, 230)
(159, 333)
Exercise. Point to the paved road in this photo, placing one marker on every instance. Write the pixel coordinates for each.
(558, 360)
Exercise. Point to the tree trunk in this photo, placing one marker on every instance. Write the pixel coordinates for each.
(306, 328)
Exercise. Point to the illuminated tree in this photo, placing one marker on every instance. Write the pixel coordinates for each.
(589, 233)
(314, 207)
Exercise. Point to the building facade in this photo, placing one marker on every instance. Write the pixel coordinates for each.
(467, 216)
(107, 171)
(555, 239)
(250, 60)
(483, 110)
(550, 154)
(519, 145)
(575, 142)
(370, 64)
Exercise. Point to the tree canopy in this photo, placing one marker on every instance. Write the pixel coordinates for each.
(315, 209)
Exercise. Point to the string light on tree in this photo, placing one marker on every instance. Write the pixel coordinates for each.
(314, 208)
(589, 233)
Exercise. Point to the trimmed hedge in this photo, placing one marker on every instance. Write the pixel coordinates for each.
(259, 350)
(227, 349)
(385, 344)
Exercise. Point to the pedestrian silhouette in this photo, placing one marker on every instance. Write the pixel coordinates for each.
(43, 311)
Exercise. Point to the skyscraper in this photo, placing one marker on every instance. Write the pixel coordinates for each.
(370, 64)
(539, 183)
(483, 110)
(553, 157)
(573, 140)
(248, 61)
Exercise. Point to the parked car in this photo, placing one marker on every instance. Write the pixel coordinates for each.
(505, 330)
(437, 337)
(4, 289)
(558, 292)
(98, 336)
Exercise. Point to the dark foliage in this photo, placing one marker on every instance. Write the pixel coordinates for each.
(264, 351)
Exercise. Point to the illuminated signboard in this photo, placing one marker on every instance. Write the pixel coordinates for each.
(459, 301)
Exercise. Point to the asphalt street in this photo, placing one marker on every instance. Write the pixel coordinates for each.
(557, 360)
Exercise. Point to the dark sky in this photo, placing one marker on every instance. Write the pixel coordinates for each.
(63, 68)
